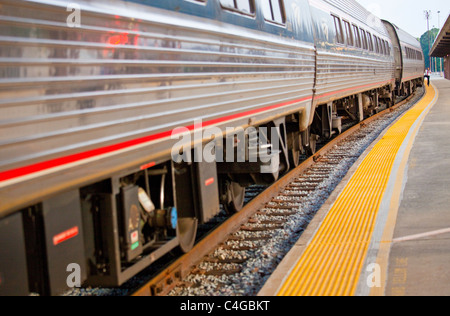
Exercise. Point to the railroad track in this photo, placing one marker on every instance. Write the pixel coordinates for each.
(239, 256)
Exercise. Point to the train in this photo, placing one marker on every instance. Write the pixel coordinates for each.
(96, 95)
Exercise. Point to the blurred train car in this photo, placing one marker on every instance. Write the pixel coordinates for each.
(94, 97)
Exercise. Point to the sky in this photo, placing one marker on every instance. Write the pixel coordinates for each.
(409, 14)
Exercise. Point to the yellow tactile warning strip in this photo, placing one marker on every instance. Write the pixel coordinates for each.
(333, 261)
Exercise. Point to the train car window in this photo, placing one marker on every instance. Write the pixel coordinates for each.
(348, 33)
(357, 36)
(244, 6)
(370, 42)
(364, 39)
(274, 11)
(338, 27)
(377, 48)
(385, 47)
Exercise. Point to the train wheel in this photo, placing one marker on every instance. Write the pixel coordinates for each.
(294, 149)
(187, 232)
(294, 158)
(312, 148)
(235, 195)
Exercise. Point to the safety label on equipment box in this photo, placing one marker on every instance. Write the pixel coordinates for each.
(64, 236)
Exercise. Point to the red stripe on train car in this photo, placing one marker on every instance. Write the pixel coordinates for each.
(58, 162)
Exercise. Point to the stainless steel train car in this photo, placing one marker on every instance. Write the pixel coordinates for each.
(95, 96)
(409, 59)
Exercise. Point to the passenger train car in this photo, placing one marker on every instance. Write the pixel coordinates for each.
(95, 96)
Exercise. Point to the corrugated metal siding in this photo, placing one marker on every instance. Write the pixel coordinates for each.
(412, 69)
(64, 90)
(344, 72)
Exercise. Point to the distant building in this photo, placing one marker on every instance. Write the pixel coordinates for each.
(441, 47)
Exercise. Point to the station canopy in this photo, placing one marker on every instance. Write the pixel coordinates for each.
(441, 46)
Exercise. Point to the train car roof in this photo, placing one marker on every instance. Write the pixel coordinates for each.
(407, 38)
(357, 11)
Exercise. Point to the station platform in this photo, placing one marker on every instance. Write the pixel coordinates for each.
(385, 231)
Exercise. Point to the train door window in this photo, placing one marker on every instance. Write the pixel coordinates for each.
(245, 6)
(348, 33)
(357, 36)
(370, 42)
(364, 39)
(274, 11)
(338, 27)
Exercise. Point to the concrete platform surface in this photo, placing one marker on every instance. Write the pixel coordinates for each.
(419, 260)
